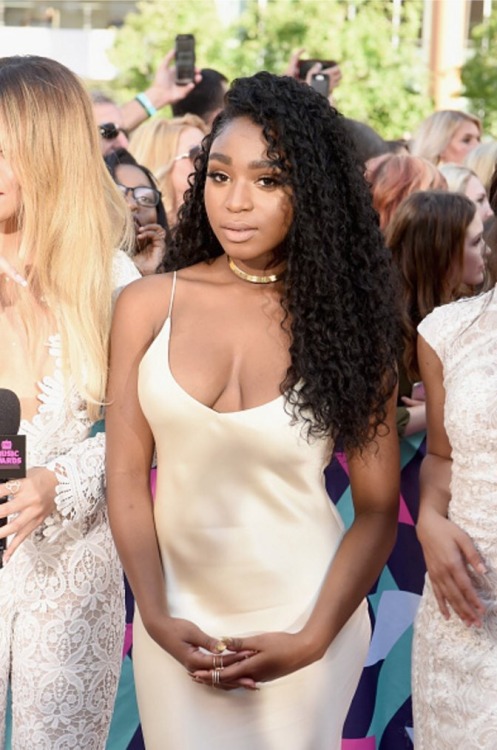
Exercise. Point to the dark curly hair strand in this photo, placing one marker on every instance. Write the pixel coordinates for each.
(338, 288)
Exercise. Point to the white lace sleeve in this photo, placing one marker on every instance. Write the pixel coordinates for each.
(442, 327)
(81, 479)
(124, 271)
(58, 438)
(433, 330)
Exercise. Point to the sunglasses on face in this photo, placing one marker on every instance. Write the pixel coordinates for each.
(144, 196)
(109, 131)
(191, 154)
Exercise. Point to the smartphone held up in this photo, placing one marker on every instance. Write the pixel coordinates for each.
(321, 83)
(185, 58)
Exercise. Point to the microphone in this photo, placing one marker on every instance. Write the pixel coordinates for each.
(12, 447)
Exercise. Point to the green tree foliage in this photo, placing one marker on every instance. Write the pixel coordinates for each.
(384, 77)
(478, 74)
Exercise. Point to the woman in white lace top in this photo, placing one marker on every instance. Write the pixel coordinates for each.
(455, 643)
(61, 592)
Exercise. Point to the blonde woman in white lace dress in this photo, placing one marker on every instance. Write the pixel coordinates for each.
(61, 592)
(455, 643)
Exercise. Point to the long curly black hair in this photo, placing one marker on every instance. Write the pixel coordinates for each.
(338, 287)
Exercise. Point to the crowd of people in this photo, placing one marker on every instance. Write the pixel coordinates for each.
(204, 313)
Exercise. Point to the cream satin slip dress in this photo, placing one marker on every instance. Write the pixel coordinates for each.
(246, 532)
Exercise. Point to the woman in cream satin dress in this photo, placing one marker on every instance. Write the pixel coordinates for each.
(275, 334)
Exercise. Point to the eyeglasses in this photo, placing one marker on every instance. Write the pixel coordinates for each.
(145, 196)
(191, 154)
(109, 131)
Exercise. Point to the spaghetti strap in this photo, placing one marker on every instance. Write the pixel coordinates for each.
(171, 301)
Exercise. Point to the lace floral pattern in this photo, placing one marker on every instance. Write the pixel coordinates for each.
(455, 667)
(61, 594)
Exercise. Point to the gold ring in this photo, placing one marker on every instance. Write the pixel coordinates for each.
(223, 644)
(13, 486)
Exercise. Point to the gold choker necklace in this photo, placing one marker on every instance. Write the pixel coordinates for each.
(252, 278)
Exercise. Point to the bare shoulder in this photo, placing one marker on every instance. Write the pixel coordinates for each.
(144, 303)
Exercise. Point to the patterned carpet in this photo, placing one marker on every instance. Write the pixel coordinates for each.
(380, 717)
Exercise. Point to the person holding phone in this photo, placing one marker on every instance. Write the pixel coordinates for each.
(323, 75)
(115, 122)
(240, 368)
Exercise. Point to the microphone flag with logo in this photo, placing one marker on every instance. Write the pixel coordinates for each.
(12, 447)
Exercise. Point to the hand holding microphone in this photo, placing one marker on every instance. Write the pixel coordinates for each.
(12, 455)
(30, 495)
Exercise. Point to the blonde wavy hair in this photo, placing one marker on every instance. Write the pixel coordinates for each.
(457, 177)
(483, 161)
(72, 217)
(436, 132)
(155, 145)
